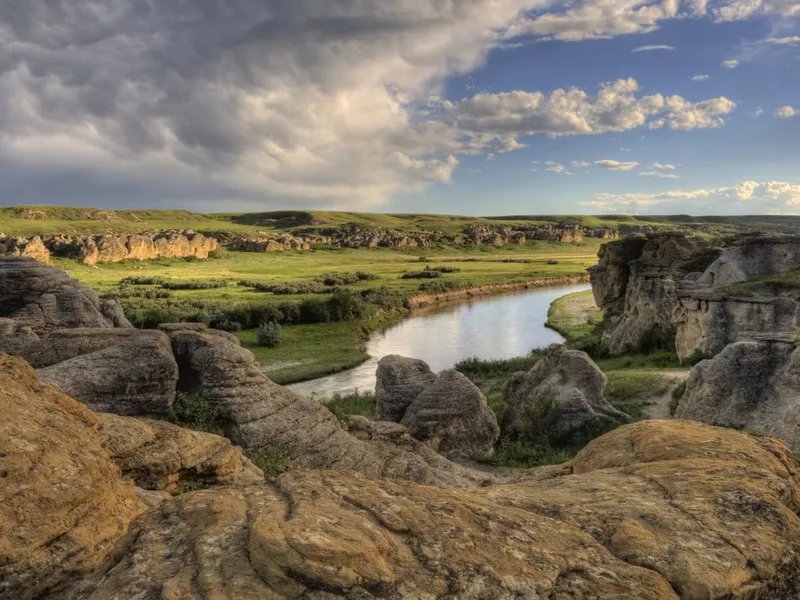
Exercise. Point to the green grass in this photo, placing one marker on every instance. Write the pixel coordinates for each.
(771, 284)
(576, 317)
(631, 390)
(345, 406)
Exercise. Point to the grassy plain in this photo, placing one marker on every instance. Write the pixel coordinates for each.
(309, 351)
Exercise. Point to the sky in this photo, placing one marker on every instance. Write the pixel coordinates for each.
(478, 107)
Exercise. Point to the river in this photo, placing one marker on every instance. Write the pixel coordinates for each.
(492, 327)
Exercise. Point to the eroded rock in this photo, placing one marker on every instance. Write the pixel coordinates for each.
(452, 415)
(558, 398)
(655, 510)
(137, 376)
(63, 504)
(399, 381)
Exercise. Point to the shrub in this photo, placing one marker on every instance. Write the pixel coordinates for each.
(143, 280)
(480, 367)
(194, 411)
(677, 394)
(218, 254)
(272, 461)
(421, 275)
(444, 269)
(228, 325)
(343, 406)
(200, 284)
(696, 356)
(384, 298)
(657, 337)
(436, 287)
(269, 334)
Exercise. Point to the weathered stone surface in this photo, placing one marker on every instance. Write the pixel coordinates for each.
(399, 381)
(651, 291)
(753, 256)
(45, 298)
(62, 502)
(17, 339)
(610, 276)
(162, 456)
(656, 510)
(269, 418)
(452, 415)
(61, 344)
(750, 385)
(560, 396)
(135, 377)
(33, 248)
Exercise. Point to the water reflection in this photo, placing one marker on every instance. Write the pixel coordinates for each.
(495, 327)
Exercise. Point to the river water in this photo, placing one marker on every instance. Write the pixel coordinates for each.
(492, 327)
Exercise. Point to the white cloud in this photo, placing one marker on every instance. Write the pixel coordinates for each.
(701, 77)
(555, 167)
(758, 112)
(748, 197)
(739, 10)
(784, 41)
(658, 174)
(685, 115)
(730, 64)
(652, 48)
(615, 165)
(663, 166)
(786, 112)
(579, 164)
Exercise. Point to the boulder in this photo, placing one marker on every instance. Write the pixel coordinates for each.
(161, 456)
(61, 344)
(753, 256)
(452, 415)
(137, 376)
(63, 504)
(655, 510)
(268, 419)
(399, 381)
(33, 248)
(16, 338)
(560, 397)
(45, 298)
(750, 385)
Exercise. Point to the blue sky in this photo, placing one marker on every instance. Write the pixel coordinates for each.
(475, 107)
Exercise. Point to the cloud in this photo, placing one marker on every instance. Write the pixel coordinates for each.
(579, 164)
(786, 112)
(748, 197)
(555, 167)
(730, 64)
(758, 112)
(652, 48)
(484, 118)
(784, 41)
(615, 165)
(658, 174)
(701, 77)
(253, 99)
(663, 166)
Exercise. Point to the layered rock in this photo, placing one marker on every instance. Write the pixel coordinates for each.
(63, 504)
(59, 345)
(268, 418)
(753, 256)
(162, 456)
(137, 376)
(398, 381)
(750, 385)
(45, 298)
(91, 250)
(655, 510)
(560, 397)
(651, 286)
(32, 248)
(453, 417)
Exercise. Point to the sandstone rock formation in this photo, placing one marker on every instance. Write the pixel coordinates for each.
(58, 345)
(753, 256)
(32, 248)
(750, 385)
(559, 397)
(268, 418)
(452, 415)
(45, 298)
(162, 456)
(62, 502)
(399, 381)
(138, 376)
(91, 250)
(655, 510)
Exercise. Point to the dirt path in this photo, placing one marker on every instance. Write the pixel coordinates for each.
(658, 406)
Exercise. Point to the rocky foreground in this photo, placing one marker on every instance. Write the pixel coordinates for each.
(101, 498)
(653, 510)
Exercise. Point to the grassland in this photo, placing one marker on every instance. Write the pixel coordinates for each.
(313, 350)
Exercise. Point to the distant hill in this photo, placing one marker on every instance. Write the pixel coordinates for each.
(49, 220)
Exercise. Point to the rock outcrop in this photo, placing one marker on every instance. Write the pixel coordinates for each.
(32, 248)
(267, 418)
(451, 414)
(63, 504)
(45, 298)
(750, 385)
(162, 456)
(59, 345)
(137, 376)
(91, 250)
(753, 256)
(560, 397)
(655, 510)
(398, 381)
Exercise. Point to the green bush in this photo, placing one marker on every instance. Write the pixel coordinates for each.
(194, 411)
(142, 280)
(657, 338)
(696, 357)
(269, 334)
(677, 394)
(480, 367)
(444, 269)
(343, 406)
(421, 275)
(200, 284)
(436, 287)
(272, 461)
